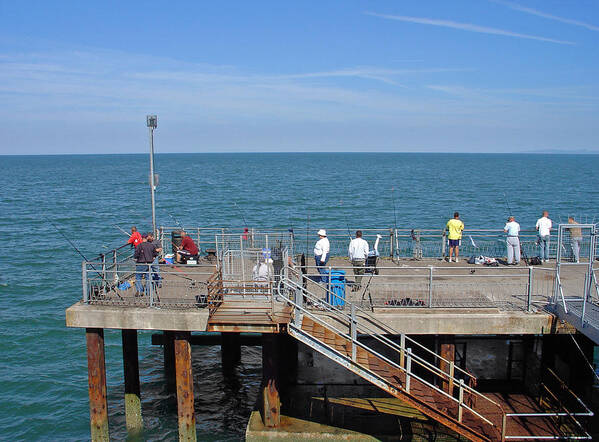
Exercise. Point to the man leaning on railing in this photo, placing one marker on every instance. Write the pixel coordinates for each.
(144, 256)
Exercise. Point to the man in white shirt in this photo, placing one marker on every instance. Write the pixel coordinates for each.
(512, 228)
(544, 227)
(357, 252)
(321, 253)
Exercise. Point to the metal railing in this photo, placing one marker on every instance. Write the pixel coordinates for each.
(146, 285)
(507, 288)
(568, 409)
(407, 356)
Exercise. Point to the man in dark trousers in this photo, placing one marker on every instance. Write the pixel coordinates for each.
(187, 249)
(144, 255)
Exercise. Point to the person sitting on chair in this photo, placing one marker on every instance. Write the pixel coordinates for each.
(187, 249)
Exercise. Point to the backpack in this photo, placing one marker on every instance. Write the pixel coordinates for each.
(534, 261)
(472, 260)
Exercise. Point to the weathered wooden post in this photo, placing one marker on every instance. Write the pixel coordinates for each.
(96, 369)
(169, 360)
(230, 350)
(271, 401)
(447, 352)
(184, 375)
(133, 416)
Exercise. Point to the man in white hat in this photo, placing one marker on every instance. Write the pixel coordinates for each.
(321, 253)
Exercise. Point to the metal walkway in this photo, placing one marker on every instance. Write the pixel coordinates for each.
(578, 304)
(421, 378)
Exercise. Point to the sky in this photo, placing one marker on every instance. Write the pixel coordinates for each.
(272, 76)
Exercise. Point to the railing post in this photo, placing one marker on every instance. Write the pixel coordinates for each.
(408, 369)
(461, 400)
(530, 288)
(353, 333)
(266, 240)
(430, 287)
(84, 281)
(503, 424)
(329, 292)
(391, 248)
(104, 272)
(451, 375)
(149, 285)
(443, 245)
(402, 345)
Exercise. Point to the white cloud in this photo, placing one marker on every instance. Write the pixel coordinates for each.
(517, 7)
(467, 27)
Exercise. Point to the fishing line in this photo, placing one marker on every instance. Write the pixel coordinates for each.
(346, 223)
(394, 208)
(507, 204)
(241, 213)
(176, 221)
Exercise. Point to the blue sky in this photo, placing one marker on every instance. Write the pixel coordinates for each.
(463, 76)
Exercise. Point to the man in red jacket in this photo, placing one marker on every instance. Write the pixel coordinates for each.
(187, 249)
(135, 237)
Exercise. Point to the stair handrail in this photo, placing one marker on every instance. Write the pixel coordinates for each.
(386, 341)
(378, 323)
(411, 374)
(415, 358)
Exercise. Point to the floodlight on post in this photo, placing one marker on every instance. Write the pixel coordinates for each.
(152, 122)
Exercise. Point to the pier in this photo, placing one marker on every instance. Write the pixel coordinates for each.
(413, 336)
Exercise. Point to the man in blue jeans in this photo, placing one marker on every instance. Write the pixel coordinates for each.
(321, 254)
(544, 228)
(144, 256)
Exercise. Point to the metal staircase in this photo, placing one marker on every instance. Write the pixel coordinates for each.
(406, 370)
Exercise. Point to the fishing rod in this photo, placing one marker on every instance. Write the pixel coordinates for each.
(176, 221)
(394, 208)
(507, 204)
(307, 232)
(114, 225)
(241, 213)
(79, 252)
(346, 223)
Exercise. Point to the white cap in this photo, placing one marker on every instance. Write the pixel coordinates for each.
(322, 232)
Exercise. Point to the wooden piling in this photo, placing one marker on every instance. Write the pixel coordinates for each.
(447, 352)
(96, 369)
(184, 376)
(230, 349)
(169, 360)
(133, 418)
(271, 403)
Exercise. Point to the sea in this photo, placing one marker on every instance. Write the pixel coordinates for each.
(52, 205)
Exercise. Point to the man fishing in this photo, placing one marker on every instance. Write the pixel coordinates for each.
(187, 249)
(358, 252)
(455, 227)
(512, 228)
(321, 253)
(144, 256)
(543, 226)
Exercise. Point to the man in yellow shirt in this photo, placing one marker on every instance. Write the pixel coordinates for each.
(455, 227)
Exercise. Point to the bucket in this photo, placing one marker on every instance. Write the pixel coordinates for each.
(176, 240)
(169, 259)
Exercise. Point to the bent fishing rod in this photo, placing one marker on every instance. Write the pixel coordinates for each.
(77, 250)
(241, 213)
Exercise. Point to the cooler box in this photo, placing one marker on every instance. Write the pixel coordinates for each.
(336, 293)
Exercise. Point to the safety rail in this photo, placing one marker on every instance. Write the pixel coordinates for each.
(506, 288)
(120, 255)
(146, 285)
(408, 360)
(564, 419)
(383, 329)
(248, 295)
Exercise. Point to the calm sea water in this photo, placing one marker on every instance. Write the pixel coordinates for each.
(43, 366)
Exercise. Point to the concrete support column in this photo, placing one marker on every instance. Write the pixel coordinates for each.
(447, 352)
(230, 350)
(169, 360)
(96, 369)
(270, 408)
(133, 417)
(184, 376)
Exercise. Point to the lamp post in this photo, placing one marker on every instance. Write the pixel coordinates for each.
(152, 122)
